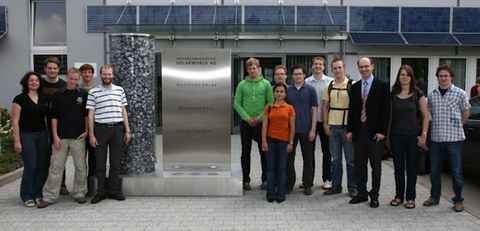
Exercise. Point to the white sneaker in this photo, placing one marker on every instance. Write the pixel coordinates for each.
(30, 203)
(327, 184)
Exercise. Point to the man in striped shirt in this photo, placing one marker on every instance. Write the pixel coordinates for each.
(107, 127)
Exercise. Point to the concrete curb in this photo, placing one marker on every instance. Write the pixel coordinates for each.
(11, 176)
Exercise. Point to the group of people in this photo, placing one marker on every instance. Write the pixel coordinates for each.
(358, 119)
(53, 119)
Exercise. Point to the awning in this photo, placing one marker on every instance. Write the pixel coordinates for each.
(420, 39)
(430, 39)
(240, 31)
(377, 38)
(467, 39)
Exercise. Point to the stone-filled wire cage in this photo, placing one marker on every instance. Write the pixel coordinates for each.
(133, 59)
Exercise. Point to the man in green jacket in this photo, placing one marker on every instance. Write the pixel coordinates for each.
(251, 96)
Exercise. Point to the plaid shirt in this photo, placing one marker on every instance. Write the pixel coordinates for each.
(446, 113)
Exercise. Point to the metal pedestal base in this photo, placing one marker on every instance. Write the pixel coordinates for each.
(185, 183)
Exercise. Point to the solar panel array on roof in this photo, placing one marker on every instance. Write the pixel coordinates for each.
(270, 15)
(216, 14)
(380, 19)
(321, 15)
(159, 15)
(368, 25)
(466, 20)
(426, 19)
(98, 17)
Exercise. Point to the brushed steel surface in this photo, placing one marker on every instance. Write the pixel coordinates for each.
(196, 100)
(188, 183)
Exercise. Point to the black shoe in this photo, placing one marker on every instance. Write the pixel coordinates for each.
(308, 191)
(288, 190)
(374, 203)
(263, 186)
(98, 198)
(271, 200)
(117, 196)
(246, 186)
(280, 201)
(358, 199)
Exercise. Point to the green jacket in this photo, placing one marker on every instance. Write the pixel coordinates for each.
(251, 97)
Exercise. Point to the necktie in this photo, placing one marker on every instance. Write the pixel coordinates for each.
(363, 118)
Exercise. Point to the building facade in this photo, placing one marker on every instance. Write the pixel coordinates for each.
(285, 32)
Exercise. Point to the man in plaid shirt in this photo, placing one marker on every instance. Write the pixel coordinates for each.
(449, 109)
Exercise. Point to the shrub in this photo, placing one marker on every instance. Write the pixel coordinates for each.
(9, 160)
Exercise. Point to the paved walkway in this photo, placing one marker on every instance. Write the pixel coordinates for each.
(248, 212)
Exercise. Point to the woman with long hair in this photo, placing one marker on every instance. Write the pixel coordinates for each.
(408, 133)
(31, 138)
(278, 129)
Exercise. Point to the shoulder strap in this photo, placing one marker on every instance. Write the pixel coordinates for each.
(330, 86)
(349, 86)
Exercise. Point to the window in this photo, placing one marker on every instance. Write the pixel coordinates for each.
(382, 69)
(459, 67)
(49, 34)
(49, 23)
(306, 60)
(39, 63)
(478, 68)
(420, 70)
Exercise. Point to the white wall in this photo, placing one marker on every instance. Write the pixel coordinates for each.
(14, 51)
(83, 46)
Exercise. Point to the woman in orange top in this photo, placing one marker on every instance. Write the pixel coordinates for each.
(277, 140)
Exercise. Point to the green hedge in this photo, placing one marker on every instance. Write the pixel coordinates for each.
(9, 160)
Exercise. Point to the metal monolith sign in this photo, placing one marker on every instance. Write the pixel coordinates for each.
(133, 59)
(196, 99)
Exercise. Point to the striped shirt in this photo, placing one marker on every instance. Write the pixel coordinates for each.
(107, 104)
(446, 113)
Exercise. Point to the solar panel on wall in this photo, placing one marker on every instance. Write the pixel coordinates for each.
(98, 17)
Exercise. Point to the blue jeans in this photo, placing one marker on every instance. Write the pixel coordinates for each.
(35, 164)
(405, 154)
(276, 169)
(336, 142)
(453, 151)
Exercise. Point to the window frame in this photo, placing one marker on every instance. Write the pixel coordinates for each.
(43, 50)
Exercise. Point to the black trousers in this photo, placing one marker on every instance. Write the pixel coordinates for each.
(307, 153)
(246, 135)
(109, 139)
(366, 149)
(326, 157)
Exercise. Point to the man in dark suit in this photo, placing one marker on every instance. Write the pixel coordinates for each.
(369, 110)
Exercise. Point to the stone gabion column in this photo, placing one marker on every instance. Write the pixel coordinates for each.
(133, 58)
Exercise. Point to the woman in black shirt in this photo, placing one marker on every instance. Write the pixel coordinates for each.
(31, 139)
(408, 133)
